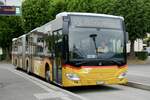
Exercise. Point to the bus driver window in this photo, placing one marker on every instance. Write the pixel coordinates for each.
(103, 48)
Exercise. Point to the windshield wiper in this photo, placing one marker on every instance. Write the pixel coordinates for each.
(96, 62)
(78, 63)
(117, 62)
(93, 36)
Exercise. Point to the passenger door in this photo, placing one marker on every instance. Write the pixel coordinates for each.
(57, 63)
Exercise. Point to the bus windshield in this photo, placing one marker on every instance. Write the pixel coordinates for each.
(96, 43)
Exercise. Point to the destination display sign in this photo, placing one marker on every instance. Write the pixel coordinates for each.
(96, 22)
(10, 10)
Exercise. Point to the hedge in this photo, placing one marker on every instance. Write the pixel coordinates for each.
(142, 55)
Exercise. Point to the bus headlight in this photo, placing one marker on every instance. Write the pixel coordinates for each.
(72, 76)
(122, 75)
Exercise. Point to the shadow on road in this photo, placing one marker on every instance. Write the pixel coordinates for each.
(92, 89)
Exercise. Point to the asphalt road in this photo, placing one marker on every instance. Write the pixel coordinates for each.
(15, 87)
(118, 92)
(112, 93)
(139, 76)
(139, 70)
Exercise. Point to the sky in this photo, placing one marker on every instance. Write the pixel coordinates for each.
(12, 2)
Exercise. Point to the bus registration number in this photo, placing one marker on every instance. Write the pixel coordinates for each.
(99, 82)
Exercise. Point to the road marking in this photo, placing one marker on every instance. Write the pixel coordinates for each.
(46, 96)
(42, 96)
(64, 98)
(63, 94)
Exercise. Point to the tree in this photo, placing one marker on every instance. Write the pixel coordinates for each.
(93, 6)
(79, 5)
(10, 27)
(1, 3)
(35, 13)
(135, 20)
(146, 7)
(103, 6)
(57, 6)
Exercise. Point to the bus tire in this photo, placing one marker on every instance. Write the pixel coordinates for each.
(47, 73)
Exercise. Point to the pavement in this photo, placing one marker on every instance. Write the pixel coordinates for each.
(139, 75)
(17, 85)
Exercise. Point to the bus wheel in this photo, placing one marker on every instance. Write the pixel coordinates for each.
(47, 73)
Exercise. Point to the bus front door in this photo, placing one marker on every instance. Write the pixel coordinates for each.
(57, 64)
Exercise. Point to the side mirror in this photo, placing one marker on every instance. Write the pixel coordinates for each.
(127, 37)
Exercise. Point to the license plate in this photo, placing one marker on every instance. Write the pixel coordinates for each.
(99, 82)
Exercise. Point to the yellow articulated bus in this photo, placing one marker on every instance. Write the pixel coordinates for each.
(75, 49)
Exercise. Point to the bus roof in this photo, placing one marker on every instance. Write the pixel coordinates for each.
(14, 39)
(41, 28)
(22, 36)
(86, 14)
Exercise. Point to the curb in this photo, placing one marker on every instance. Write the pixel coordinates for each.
(47, 86)
(139, 85)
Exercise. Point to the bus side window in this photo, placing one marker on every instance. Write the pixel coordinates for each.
(40, 45)
(49, 46)
(39, 49)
